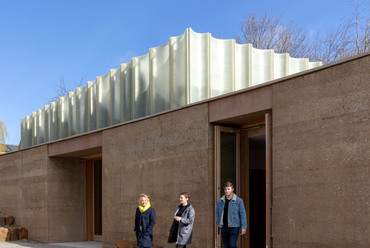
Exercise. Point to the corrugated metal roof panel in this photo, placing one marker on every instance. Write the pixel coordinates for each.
(189, 68)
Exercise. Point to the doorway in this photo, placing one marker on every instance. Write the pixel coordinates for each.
(257, 187)
(93, 202)
(241, 157)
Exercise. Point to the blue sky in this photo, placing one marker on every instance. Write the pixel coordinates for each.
(42, 41)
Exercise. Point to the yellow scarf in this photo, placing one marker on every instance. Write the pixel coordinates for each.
(143, 209)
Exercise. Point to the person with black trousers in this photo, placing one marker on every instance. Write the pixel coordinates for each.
(182, 226)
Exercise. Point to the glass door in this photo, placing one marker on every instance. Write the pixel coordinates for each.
(243, 156)
(227, 163)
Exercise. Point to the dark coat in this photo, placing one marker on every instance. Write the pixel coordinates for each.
(185, 228)
(146, 220)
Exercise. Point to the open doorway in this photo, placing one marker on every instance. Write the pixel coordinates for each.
(241, 157)
(257, 187)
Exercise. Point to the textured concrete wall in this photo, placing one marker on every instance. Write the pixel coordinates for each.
(45, 195)
(66, 209)
(161, 156)
(11, 185)
(34, 193)
(321, 130)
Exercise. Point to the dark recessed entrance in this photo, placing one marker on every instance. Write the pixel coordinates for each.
(257, 189)
(94, 225)
(242, 157)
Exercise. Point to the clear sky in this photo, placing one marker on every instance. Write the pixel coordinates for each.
(42, 41)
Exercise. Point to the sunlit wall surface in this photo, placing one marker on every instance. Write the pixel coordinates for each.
(189, 68)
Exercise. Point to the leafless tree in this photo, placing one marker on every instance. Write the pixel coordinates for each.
(3, 136)
(268, 32)
(361, 28)
(349, 38)
(62, 89)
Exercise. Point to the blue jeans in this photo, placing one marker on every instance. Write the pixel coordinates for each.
(230, 236)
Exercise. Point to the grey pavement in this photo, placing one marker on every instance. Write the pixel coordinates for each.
(33, 244)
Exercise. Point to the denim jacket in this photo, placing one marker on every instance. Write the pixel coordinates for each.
(236, 214)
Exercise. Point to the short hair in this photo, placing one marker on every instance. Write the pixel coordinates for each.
(229, 184)
(186, 194)
(143, 195)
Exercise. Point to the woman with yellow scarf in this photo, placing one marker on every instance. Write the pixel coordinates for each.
(144, 222)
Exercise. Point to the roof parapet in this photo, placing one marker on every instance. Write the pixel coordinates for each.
(189, 68)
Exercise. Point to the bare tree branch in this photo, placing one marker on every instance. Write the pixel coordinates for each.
(62, 89)
(351, 37)
(3, 136)
(268, 32)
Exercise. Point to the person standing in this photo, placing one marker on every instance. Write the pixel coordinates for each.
(230, 216)
(144, 222)
(182, 226)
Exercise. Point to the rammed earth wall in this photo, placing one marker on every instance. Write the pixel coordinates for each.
(162, 157)
(45, 195)
(320, 167)
(321, 158)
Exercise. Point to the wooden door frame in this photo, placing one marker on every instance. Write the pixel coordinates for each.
(89, 201)
(268, 143)
(217, 167)
(244, 172)
(244, 191)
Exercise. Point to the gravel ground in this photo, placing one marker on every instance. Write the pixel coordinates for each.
(35, 244)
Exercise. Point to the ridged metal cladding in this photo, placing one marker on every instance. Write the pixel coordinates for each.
(189, 68)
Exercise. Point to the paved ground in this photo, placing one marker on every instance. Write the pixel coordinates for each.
(33, 244)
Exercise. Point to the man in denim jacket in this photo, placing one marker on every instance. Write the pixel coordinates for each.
(230, 216)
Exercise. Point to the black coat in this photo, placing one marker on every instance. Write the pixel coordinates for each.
(145, 220)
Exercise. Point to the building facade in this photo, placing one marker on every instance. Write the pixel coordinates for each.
(297, 149)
